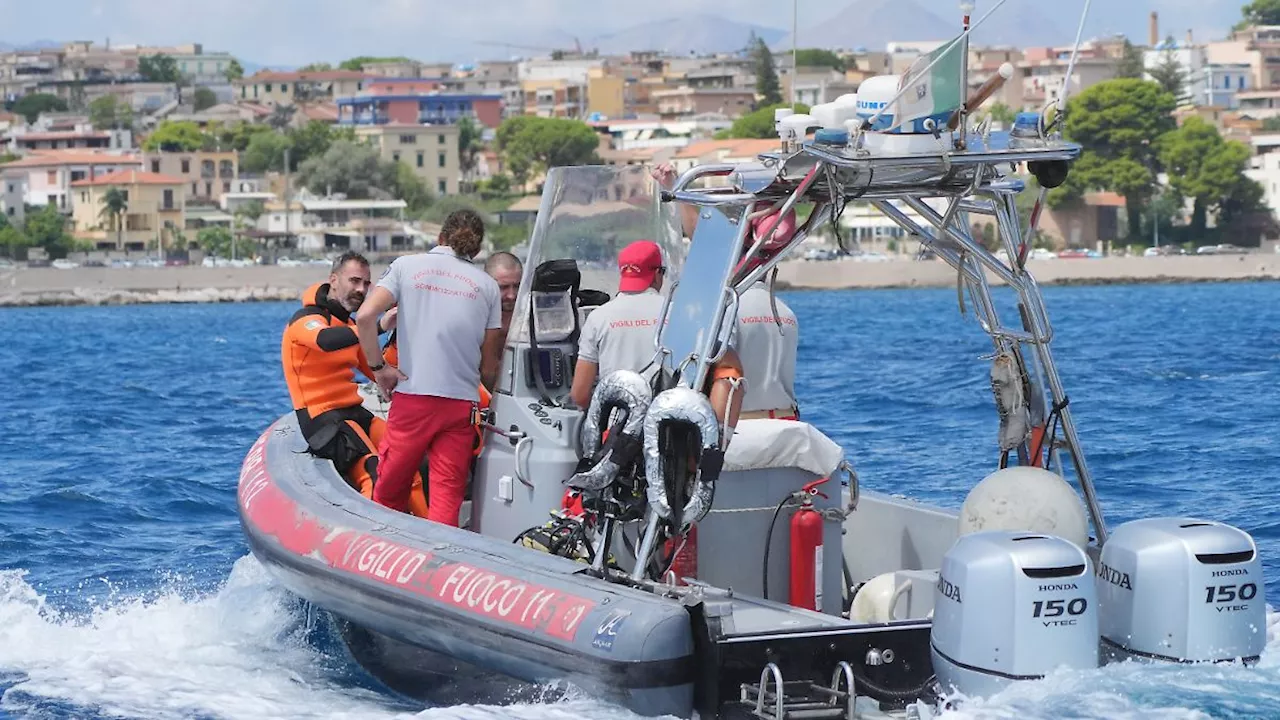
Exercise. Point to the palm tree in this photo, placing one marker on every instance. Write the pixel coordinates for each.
(114, 206)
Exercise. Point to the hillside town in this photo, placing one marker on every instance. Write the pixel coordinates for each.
(133, 155)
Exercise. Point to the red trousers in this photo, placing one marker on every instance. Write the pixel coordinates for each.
(439, 429)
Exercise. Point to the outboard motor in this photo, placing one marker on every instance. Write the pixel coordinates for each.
(1181, 590)
(1011, 606)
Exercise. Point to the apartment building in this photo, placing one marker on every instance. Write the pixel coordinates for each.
(205, 176)
(686, 102)
(431, 151)
(322, 224)
(154, 210)
(413, 109)
(1044, 73)
(50, 174)
(13, 195)
(558, 98)
(291, 88)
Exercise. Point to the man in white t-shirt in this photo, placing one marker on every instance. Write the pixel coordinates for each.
(449, 340)
(621, 334)
(767, 343)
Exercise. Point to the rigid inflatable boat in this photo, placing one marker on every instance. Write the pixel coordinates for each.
(755, 579)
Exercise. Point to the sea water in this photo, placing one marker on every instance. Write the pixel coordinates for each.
(126, 589)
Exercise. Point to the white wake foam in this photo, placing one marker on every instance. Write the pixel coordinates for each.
(236, 653)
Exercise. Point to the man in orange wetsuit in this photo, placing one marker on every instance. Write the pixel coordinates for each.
(319, 352)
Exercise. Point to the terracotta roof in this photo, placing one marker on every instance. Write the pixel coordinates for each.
(732, 148)
(256, 108)
(317, 76)
(327, 112)
(48, 158)
(1104, 199)
(65, 135)
(131, 177)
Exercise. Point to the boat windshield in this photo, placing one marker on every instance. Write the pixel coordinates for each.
(590, 213)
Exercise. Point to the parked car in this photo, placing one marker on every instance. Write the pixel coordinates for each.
(64, 264)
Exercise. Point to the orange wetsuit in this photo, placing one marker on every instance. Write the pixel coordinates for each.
(319, 353)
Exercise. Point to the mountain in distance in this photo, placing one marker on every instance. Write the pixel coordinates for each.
(872, 24)
(685, 35)
(34, 45)
(676, 36)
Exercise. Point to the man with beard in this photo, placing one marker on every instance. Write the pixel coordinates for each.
(320, 353)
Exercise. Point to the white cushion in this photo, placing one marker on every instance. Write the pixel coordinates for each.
(765, 444)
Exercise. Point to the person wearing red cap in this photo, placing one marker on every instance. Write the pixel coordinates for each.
(619, 335)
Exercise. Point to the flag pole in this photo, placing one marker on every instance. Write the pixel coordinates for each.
(795, 22)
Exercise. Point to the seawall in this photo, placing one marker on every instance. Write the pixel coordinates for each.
(120, 286)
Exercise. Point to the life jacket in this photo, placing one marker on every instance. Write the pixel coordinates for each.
(319, 353)
(391, 354)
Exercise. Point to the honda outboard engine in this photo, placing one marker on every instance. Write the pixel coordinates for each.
(1181, 590)
(1011, 606)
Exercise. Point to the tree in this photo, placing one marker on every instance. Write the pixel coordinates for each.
(357, 64)
(468, 145)
(265, 152)
(108, 113)
(159, 68)
(1271, 124)
(281, 116)
(203, 99)
(316, 67)
(355, 169)
(1118, 124)
(170, 136)
(1001, 113)
(815, 57)
(1131, 64)
(12, 241)
(30, 106)
(314, 139)
(48, 229)
(114, 206)
(758, 124)
(767, 86)
(234, 70)
(221, 242)
(1260, 12)
(1170, 75)
(531, 144)
(411, 189)
(1204, 168)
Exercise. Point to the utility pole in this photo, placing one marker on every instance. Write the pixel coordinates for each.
(795, 24)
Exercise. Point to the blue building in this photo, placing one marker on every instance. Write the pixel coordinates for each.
(433, 109)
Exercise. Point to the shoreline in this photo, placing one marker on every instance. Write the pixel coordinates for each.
(44, 287)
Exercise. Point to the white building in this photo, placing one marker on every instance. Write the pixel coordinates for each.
(13, 195)
(1223, 82)
(1191, 58)
(1265, 167)
(335, 224)
(49, 173)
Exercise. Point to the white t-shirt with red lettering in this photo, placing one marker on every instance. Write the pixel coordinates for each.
(620, 334)
(446, 304)
(768, 352)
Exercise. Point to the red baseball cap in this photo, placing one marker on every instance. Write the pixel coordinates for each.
(638, 265)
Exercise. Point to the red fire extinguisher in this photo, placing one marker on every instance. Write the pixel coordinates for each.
(806, 551)
(685, 564)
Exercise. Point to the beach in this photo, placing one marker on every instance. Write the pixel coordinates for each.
(122, 286)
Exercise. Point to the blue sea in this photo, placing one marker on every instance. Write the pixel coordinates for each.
(126, 589)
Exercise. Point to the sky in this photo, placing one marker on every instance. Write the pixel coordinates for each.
(297, 32)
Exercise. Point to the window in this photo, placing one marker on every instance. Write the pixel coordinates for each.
(168, 199)
(440, 139)
(78, 175)
(408, 139)
(84, 196)
(155, 166)
(421, 159)
(442, 159)
(268, 87)
(11, 187)
(442, 187)
(52, 177)
(226, 187)
(53, 199)
(395, 156)
(186, 166)
(125, 195)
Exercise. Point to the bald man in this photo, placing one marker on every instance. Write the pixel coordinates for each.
(506, 269)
